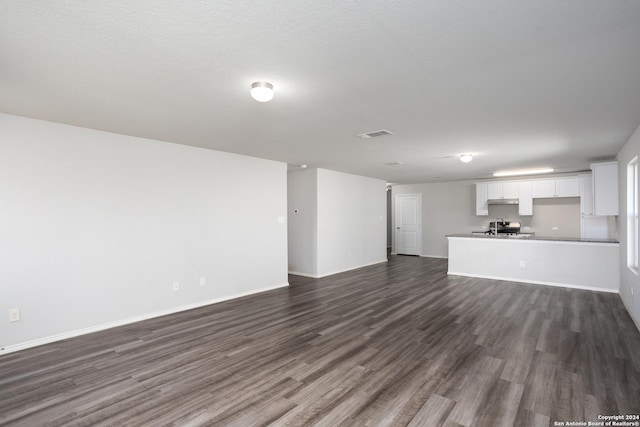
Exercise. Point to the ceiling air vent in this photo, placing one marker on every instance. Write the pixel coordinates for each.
(374, 134)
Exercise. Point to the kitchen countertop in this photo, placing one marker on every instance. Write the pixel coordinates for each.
(534, 237)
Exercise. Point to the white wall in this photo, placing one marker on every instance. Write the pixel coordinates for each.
(449, 208)
(302, 195)
(96, 227)
(341, 224)
(629, 280)
(352, 221)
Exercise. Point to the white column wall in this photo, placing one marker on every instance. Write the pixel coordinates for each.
(352, 221)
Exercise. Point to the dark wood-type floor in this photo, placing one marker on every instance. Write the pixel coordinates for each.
(394, 344)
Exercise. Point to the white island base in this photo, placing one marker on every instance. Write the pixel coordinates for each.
(572, 264)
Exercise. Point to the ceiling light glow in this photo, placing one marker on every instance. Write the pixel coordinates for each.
(262, 91)
(466, 158)
(523, 172)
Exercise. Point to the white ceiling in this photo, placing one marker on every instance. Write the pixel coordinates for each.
(517, 83)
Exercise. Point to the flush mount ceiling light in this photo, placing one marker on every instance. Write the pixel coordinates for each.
(523, 172)
(374, 134)
(262, 91)
(466, 158)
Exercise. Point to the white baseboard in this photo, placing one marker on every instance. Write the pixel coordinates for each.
(298, 273)
(535, 282)
(635, 320)
(337, 271)
(352, 268)
(425, 256)
(66, 335)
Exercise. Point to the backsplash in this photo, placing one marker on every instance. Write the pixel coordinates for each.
(551, 217)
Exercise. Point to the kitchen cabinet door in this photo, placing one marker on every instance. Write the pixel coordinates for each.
(561, 187)
(605, 188)
(543, 188)
(525, 203)
(510, 190)
(502, 190)
(494, 190)
(567, 187)
(482, 208)
(586, 195)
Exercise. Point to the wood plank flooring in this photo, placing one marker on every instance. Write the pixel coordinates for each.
(395, 344)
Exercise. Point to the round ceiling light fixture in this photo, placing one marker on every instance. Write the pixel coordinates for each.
(466, 158)
(262, 91)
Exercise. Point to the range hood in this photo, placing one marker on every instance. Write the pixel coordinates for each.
(502, 201)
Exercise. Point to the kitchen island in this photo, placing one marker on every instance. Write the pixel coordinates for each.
(592, 264)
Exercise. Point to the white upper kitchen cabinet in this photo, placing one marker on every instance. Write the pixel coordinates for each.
(486, 191)
(525, 191)
(605, 188)
(494, 190)
(525, 202)
(543, 188)
(567, 187)
(586, 195)
(482, 207)
(591, 226)
(559, 187)
(502, 190)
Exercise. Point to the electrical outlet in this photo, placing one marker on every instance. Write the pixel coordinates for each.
(203, 281)
(522, 264)
(176, 286)
(14, 314)
(554, 228)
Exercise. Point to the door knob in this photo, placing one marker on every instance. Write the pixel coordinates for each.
(397, 228)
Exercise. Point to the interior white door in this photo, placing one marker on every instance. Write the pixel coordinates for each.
(409, 224)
